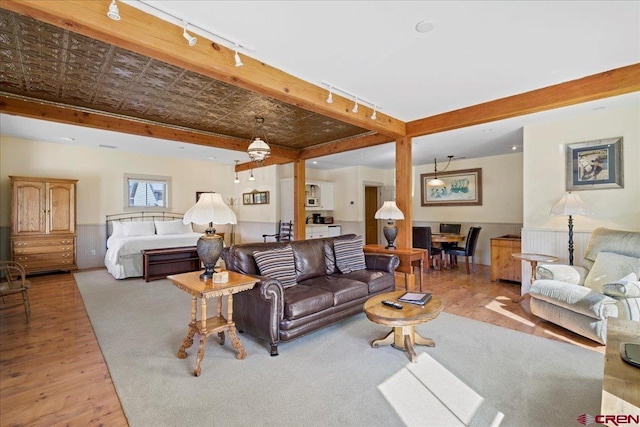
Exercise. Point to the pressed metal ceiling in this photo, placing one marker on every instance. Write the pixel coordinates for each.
(45, 62)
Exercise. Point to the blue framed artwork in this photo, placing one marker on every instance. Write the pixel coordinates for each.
(595, 165)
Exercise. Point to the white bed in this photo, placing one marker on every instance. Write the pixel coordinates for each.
(129, 234)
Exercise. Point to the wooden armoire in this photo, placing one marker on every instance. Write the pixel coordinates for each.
(43, 223)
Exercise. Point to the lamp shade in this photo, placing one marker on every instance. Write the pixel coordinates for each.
(570, 204)
(210, 208)
(258, 149)
(389, 210)
(436, 182)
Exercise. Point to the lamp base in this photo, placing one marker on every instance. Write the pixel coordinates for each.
(209, 248)
(390, 232)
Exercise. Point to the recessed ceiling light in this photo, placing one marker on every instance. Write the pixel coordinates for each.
(67, 139)
(314, 162)
(424, 26)
(514, 148)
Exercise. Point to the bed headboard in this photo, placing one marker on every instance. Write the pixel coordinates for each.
(140, 216)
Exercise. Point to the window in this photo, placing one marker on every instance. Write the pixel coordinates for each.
(147, 192)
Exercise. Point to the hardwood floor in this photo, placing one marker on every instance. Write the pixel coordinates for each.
(52, 371)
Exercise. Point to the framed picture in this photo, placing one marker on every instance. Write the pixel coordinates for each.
(255, 198)
(462, 188)
(595, 165)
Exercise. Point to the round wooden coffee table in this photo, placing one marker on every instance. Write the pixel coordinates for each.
(403, 335)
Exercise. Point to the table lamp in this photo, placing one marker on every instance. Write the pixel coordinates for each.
(570, 204)
(210, 209)
(389, 211)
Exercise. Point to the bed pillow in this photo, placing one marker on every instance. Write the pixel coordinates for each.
(117, 228)
(172, 227)
(349, 255)
(278, 264)
(139, 228)
(610, 267)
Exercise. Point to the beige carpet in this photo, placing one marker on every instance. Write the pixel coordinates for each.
(477, 375)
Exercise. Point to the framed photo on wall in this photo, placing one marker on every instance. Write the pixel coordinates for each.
(594, 165)
(462, 188)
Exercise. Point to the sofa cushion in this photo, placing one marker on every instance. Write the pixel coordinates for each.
(278, 264)
(376, 280)
(629, 309)
(309, 259)
(343, 289)
(627, 287)
(575, 298)
(349, 255)
(564, 273)
(302, 300)
(610, 267)
(330, 258)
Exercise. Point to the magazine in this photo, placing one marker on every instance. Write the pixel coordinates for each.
(418, 298)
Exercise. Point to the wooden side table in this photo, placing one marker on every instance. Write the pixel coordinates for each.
(403, 335)
(533, 259)
(409, 258)
(621, 382)
(202, 290)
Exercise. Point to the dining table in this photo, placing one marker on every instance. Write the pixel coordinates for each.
(437, 239)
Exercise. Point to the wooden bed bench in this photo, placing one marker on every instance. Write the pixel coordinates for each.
(160, 263)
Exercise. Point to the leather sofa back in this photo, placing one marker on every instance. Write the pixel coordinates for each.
(309, 256)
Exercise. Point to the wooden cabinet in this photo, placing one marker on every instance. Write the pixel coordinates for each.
(503, 265)
(316, 231)
(43, 223)
(160, 263)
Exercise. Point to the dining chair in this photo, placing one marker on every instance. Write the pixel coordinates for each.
(13, 281)
(422, 240)
(449, 229)
(285, 232)
(469, 250)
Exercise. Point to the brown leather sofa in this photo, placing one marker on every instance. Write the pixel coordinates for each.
(322, 295)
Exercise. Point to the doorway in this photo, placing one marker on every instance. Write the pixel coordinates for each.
(371, 196)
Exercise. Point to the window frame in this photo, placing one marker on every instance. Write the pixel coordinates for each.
(166, 180)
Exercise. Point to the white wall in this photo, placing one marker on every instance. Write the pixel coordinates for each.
(544, 171)
(501, 192)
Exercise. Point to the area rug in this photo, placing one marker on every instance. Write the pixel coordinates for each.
(477, 375)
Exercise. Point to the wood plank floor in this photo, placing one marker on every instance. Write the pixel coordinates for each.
(52, 371)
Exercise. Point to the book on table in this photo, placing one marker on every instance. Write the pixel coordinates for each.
(418, 298)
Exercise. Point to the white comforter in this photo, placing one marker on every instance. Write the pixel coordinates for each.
(119, 247)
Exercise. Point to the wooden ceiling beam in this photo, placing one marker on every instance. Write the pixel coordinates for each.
(271, 160)
(98, 120)
(148, 35)
(614, 82)
(343, 145)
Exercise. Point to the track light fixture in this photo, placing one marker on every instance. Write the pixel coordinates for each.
(356, 99)
(330, 97)
(237, 180)
(237, 58)
(114, 12)
(192, 40)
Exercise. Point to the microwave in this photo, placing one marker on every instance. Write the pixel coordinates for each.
(312, 202)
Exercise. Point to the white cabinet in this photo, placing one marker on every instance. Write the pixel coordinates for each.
(316, 231)
(323, 191)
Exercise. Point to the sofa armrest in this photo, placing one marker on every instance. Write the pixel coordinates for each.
(384, 262)
(563, 273)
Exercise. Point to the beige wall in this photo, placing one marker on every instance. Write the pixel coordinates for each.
(100, 173)
(544, 171)
(501, 192)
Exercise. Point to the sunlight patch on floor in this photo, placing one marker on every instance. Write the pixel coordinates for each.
(497, 305)
(426, 393)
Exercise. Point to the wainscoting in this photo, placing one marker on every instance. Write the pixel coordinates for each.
(91, 241)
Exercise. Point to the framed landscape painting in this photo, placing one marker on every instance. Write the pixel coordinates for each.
(462, 188)
(594, 165)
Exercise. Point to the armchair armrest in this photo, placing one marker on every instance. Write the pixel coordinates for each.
(384, 262)
(563, 273)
